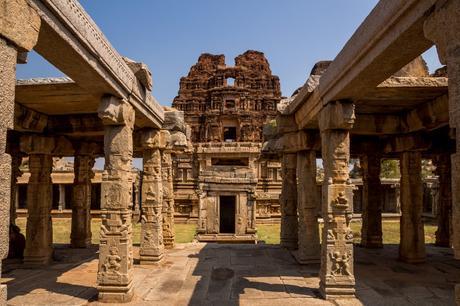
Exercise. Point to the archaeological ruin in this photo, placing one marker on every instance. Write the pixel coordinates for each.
(230, 154)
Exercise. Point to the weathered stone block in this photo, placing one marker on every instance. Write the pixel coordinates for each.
(19, 23)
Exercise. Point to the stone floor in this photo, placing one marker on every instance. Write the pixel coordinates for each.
(210, 274)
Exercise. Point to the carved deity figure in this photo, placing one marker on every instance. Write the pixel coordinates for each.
(340, 264)
(112, 261)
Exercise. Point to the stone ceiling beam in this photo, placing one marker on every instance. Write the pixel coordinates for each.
(71, 41)
(389, 38)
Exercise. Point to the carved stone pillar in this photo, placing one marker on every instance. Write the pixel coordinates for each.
(115, 272)
(444, 210)
(288, 202)
(371, 231)
(19, 29)
(443, 28)
(336, 274)
(307, 206)
(39, 236)
(152, 245)
(80, 236)
(168, 197)
(15, 173)
(412, 243)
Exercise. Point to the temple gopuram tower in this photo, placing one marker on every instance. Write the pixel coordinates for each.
(226, 108)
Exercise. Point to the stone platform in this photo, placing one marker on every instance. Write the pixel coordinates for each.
(217, 274)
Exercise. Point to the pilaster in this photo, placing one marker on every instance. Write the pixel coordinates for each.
(288, 202)
(80, 236)
(115, 271)
(412, 241)
(371, 231)
(444, 211)
(337, 273)
(307, 205)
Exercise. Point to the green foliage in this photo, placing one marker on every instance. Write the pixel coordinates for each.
(390, 169)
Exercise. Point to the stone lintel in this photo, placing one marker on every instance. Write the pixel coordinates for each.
(19, 23)
(37, 144)
(337, 115)
(429, 115)
(28, 120)
(408, 142)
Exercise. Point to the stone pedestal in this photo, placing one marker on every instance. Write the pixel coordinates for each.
(39, 236)
(152, 245)
(168, 199)
(371, 231)
(115, 271)
(288, 202)
(336, 274)
(444, 211)
(80, 236)
(307, 205)
(412, 243)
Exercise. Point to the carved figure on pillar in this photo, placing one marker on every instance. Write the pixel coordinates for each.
(152, 242)
(115, 253)
(336, 274)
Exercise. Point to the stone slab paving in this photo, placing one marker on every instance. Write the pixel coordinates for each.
(212, 274)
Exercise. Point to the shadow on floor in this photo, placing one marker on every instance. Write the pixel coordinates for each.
(38, 283)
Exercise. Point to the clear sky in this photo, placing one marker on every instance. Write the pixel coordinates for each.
(169, 35)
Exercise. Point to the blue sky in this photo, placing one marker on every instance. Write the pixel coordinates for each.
(169, 35)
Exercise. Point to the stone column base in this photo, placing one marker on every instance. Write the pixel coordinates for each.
(373, 243)
(150, 259)
(37, 261)
(115, 294)
(3, 294)
(80, 243)
(338, 290)
(305, 259)
(412, 260)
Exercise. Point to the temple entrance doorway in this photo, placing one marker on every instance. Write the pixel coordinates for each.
(227, 208)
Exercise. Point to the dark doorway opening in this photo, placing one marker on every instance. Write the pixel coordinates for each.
(227, 214)
(229, 134)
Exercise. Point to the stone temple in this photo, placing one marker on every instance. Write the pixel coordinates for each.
(226, 108)
(230, 155)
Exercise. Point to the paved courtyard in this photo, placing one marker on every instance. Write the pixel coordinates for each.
(210, 274)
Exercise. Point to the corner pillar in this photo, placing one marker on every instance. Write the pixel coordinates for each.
(152, 245)
(337, 273)
(371, 231)
(443, 28)
(39, 237)
(115, 271)
(412, 241)
(16, 160)
(18, 33)
(80, 236)
(288, 202)
(444, 210)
